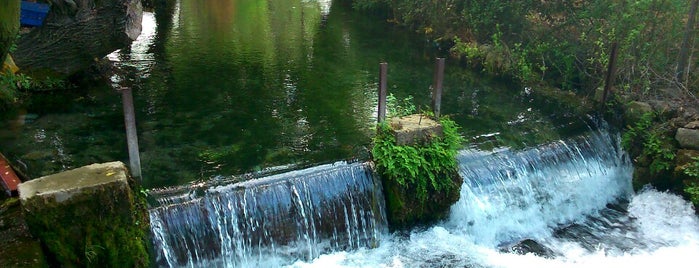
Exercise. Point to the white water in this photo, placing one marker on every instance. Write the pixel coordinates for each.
(556, 195)
(571, 198)
(268, 221)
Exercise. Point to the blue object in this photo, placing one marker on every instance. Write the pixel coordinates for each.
(33, 14)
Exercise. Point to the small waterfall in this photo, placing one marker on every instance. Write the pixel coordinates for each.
(272, 220)
(508, 196)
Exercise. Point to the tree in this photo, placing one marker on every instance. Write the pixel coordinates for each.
(9, 25)
(684, 50)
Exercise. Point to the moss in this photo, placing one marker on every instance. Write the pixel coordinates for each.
(95, 230)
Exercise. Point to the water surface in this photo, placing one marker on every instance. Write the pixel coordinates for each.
(226, 87)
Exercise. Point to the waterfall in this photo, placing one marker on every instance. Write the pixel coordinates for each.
(510, 195)
(570, 198)
(271, 220)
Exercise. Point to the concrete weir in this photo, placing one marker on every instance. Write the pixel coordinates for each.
(88, 216)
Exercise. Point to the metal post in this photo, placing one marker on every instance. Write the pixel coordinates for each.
(437, 86)
(383, 70)
(611, 70)
(131, 135)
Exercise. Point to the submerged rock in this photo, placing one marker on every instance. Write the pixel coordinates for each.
(529, 246)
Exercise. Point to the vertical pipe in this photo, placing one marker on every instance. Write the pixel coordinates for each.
(437, 86)
(131, 135)
(383, 70)
(609, 79)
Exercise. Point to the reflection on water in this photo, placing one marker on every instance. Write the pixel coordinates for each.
(227, 87)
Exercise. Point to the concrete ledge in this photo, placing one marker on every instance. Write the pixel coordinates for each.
(415, 128)
(63, 186)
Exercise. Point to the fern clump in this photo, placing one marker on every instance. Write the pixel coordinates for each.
(421, 167)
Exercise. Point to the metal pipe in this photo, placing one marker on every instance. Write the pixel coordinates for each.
(131, 134)
(383, 84)
(437, 86)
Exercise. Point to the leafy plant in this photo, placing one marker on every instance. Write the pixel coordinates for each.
(397, 108)
(652, 142)
(421, 167)
(693, 169)
(692, 189)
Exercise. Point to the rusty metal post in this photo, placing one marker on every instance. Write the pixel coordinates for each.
(611, 70)
(131, 134)
(437, 86)
(383, 84)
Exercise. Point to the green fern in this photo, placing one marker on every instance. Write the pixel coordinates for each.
(423, 167)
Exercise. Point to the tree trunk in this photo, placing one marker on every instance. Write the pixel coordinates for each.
(684, 49)
(76, 33)
(9, 24)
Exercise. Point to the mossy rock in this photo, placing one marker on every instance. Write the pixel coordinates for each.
(635, 110)
(88, 217)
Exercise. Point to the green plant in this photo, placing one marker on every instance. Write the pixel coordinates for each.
(397, 108)
(692, 188)
(419, 167)
(652, 142)
(693, 169)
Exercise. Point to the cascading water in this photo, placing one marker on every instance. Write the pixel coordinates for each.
(565, 204)
(272, 220)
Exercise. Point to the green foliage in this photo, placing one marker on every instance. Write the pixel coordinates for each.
(565, 42)
(13, 86)
(693, 169)
(398, 108)
(419, 167)
(653, 142)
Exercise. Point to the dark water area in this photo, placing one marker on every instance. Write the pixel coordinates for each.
(226, 87)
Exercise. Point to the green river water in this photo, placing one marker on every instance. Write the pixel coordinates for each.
(226, 87)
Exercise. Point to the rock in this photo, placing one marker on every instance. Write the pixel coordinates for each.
(88, 217)
(692, 125)
(688, 138)
(75, 33)
(416, 128)
(529, 246)
(665, 108)
(635, 110)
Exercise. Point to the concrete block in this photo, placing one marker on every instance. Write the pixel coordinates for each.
(414, 129)
(88, 216)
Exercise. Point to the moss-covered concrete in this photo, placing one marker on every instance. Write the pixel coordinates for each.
(405, 209)
(88, 217)
(415, 158)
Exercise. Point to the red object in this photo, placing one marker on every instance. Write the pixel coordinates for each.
(8, 177)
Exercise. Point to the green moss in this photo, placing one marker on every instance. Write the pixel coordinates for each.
(97, 230)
